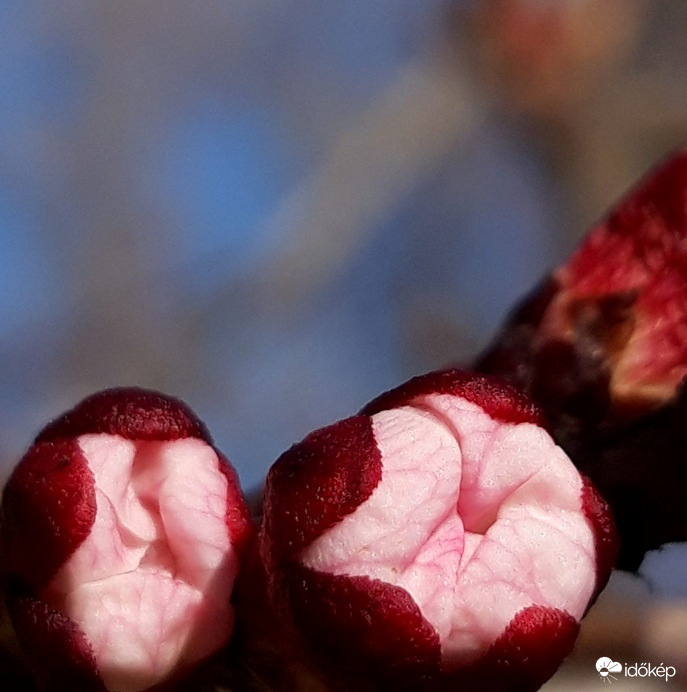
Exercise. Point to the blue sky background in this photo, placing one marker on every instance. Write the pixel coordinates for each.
(153, 158)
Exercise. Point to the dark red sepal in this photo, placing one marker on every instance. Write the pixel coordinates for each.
(524, 657)
(606, 540)
(237, 516)
(48, 510)
(499, 400)
(58, 650)
(133, 413)
(364, 631)
(316, 483)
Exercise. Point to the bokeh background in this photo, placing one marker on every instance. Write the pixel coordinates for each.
(277, 209)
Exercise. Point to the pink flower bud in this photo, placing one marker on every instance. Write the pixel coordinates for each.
(123, 530)
(603, 339)
(438, 539)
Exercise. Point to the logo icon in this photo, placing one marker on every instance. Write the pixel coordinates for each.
(606, 667)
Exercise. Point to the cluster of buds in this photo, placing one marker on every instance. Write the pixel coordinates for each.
(451, 535)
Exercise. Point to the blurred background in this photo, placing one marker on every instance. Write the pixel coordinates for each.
(275, 210)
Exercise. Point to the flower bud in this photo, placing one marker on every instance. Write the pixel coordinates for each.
(123, 530)
(438, 539)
